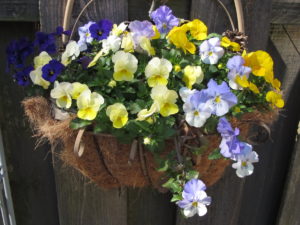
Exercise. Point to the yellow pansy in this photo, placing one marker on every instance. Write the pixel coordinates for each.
(42, 59)
(197, 29)
(37, 79)
(88, 104)
(242, 81)
(192, 75)
(165, 100)
(145, 113)
(62, 94)
(77, 89)
(276, 84)
(127, 43)
(260, 62)
(145, 44)
(177, 36)
(97, 57)
(118, 30)
(71, 53)
(156, 33)
(275, 99)
(117, 114)
(125, 66)
(253, 88)
(157, 71)
(225, 42)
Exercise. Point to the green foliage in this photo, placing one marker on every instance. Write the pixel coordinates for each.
(215, 154)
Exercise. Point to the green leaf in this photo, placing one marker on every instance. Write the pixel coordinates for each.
(176, 197)
(213, 69)
(164, 167)
(215, 154)
(192, 174)
(79, 123)
(173, 185)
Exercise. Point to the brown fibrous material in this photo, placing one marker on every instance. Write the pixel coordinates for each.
(106, 161)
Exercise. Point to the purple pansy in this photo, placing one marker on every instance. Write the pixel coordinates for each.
(85, 61)
(22, 77)
(141, 29)
(60, 30)
(220, 98)
(51, 70)
(195, 198)
(164, 19)
(45, 42)
(236, 68)
(18, 51)
(230, 145)
(100, 30)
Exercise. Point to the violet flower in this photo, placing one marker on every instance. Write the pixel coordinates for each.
(141, 29)
(45, 42)
(100, 30)
(18, 51)
(211, 50)
(230, 145)
(52, 70)
(22, 77)
(85, 36)
(164, 19)
(220, 98)
(195, 198)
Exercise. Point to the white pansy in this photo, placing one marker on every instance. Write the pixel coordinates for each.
(118, 30)
(211, 51)
(157, 71)
(42, 59)
(72, 52)
(244, 162)
(62, 93)
(111, 43)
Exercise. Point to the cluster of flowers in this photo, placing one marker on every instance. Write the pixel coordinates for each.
(134, 73)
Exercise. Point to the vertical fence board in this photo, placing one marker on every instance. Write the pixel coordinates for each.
(80, 202)
(30, 171)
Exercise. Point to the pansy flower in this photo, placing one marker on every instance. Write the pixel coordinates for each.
(100, 30)
(230, 145)
(195, 198)
(52, 70)
(220, 98)
(195, 107)
(244, 162)
(18, 51)
(211, 51)
(164, 19)
(238, 73)
(117, 114)
(22, 77)
(141, 29)
(157, 71)
(45, 42)
(85, 36)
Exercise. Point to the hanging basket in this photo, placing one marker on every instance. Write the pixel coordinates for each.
(111, 164)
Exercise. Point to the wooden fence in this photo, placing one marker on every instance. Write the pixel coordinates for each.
(256, 200)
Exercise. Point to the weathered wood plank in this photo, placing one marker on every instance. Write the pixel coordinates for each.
(30, 171)
(138, 10)
(256, 13)
(115, 10)
(19, 10)
(148, 207)
(286, 12)
(290, 210)
(80, 202)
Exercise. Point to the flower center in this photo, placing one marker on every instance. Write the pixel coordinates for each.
(87, 34)
(100, 33)
(244, 164)
(196, 113)
(210, 53)
(164, 26)
(217, 99)
(195, 204)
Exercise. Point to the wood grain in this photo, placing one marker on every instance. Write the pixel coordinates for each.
(284, 12)
(80, 202)
(19, 10)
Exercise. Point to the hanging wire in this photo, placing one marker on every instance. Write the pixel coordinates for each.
(228, 14)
